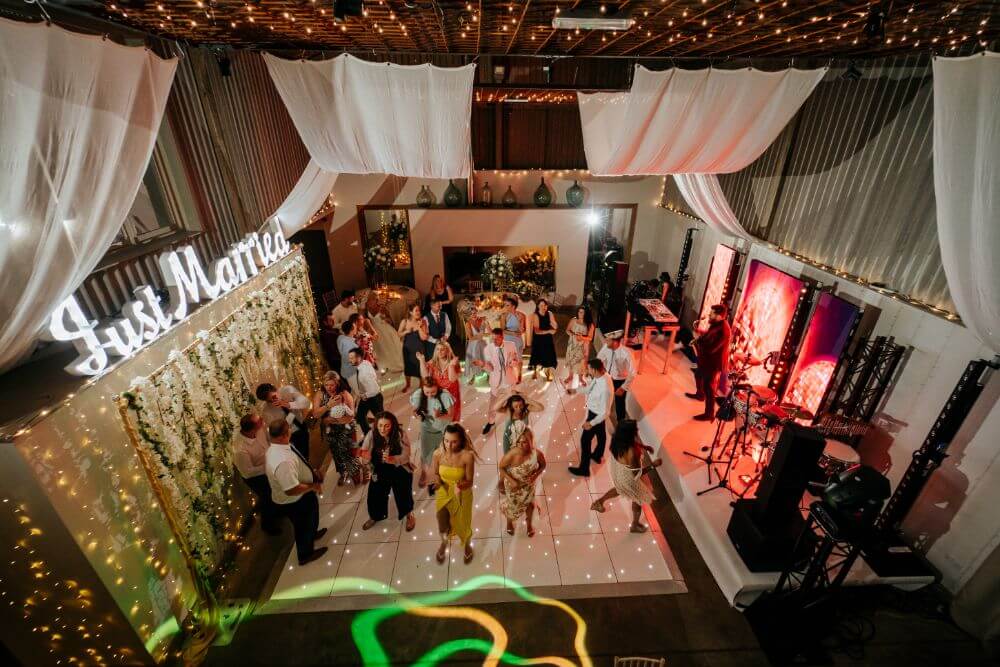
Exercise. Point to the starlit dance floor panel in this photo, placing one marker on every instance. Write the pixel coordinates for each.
(575, 552)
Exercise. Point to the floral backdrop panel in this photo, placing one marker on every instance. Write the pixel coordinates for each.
(186, 414)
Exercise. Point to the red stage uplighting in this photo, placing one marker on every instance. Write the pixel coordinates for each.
(824, 340)
(764, 315)
(715, 286)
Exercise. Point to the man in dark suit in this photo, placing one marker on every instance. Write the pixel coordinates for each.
(713, 352)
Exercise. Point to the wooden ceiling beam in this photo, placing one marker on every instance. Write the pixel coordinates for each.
(517, 28)
(552, 31)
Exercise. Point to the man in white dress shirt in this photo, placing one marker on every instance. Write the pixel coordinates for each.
(289, 404)
(503, 361)
(344, 309)
(366, 389)
(294, 485)
(600, 393)
(618, 361)
(249, 452)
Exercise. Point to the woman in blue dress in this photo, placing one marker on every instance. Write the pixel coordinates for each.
(513, 328)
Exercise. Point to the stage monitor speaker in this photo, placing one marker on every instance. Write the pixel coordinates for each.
(765, 548)
(795, 459)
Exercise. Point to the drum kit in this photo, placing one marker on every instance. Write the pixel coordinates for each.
(757, 418)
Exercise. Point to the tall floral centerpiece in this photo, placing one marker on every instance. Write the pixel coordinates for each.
(498, 272)
(378, 261)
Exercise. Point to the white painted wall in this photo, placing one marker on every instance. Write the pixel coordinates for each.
(956, 519)
(567, 229)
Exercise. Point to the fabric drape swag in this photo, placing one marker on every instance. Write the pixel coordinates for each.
(305, 199)
(78, 119)
(704, 195)
(361, 117)
(676, 121)
(967, 186)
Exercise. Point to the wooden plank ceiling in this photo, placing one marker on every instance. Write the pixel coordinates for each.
(723, 29)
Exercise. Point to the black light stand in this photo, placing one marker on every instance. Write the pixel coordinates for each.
(737, 440)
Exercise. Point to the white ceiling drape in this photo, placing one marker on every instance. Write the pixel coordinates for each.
(967, 187)
(706, 121)
(704, 195)
(361, 117)
(305, 199)
(78, 119)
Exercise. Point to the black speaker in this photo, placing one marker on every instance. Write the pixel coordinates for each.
(796, 456)
(764, 530)
(613, 318)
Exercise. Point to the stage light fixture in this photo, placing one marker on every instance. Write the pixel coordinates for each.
(875, 23)
(344, 8)
(593, 218)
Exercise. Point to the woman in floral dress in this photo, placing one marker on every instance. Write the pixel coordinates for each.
(366, 336)
(446, 371)
(519, 469)
(580, 330)
(333, 405)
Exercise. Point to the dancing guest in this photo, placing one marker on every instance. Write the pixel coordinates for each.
(328, 333)
(580, 331)
(600, 395)
(344, 309)
(445, 370)
(628, 473)
(543, 346)
(454, 468)
(386, 346)
(347, 342)
(713, 355)
(366, 336)
(440, 293)
(294, 485)
(438, 326)
(517, 408)
(413, 332)
(617, 360)
(367, 390)
(333, 405)
(433, 407)
(519, 469)
(250, 455)
(513, 328)
(502, 360)
(526, 307)
(475, 338)
(388, 449)
(290, 404)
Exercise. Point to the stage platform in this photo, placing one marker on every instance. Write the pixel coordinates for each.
(657, 401)
(575, 552)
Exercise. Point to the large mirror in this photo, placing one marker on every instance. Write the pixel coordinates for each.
(388, 227)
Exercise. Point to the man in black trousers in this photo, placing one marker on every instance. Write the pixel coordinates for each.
(713, 353)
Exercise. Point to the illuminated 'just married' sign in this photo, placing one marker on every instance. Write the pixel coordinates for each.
(144, 320)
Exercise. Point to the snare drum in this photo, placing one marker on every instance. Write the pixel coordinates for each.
(836, 458)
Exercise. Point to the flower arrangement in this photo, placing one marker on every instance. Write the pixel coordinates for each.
(497, 271)
(538, 268)
(526, 288)
(186, 414)
(378, 258)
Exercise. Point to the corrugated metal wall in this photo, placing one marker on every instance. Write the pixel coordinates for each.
(850, 182)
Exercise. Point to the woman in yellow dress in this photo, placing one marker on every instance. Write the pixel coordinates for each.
(454, 466)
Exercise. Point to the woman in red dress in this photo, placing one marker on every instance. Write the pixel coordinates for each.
(445, 370)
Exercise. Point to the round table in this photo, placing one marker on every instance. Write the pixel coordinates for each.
(393, 300)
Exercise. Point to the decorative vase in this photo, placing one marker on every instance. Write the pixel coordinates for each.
(575, 195)
(425, 198)
(486, 195)
(452, 196)
(543, 196)
(509, 199)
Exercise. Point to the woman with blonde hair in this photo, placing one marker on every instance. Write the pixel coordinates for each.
(446, 371)
(520, 468)
(454, 468)
(333, 405)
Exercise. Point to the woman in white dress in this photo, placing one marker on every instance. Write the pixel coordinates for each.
(580, 330)
(388, 345)
(628, 474)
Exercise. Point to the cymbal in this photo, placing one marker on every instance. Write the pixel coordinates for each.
(796, 411)
(747, 359)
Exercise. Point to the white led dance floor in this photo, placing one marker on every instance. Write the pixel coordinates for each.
(575, 552)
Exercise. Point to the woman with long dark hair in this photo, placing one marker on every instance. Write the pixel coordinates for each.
(543, 346)
(413, 332)
(388, 450)
(628, 473)
(333, 405)
(580, 330)
(454, 468)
